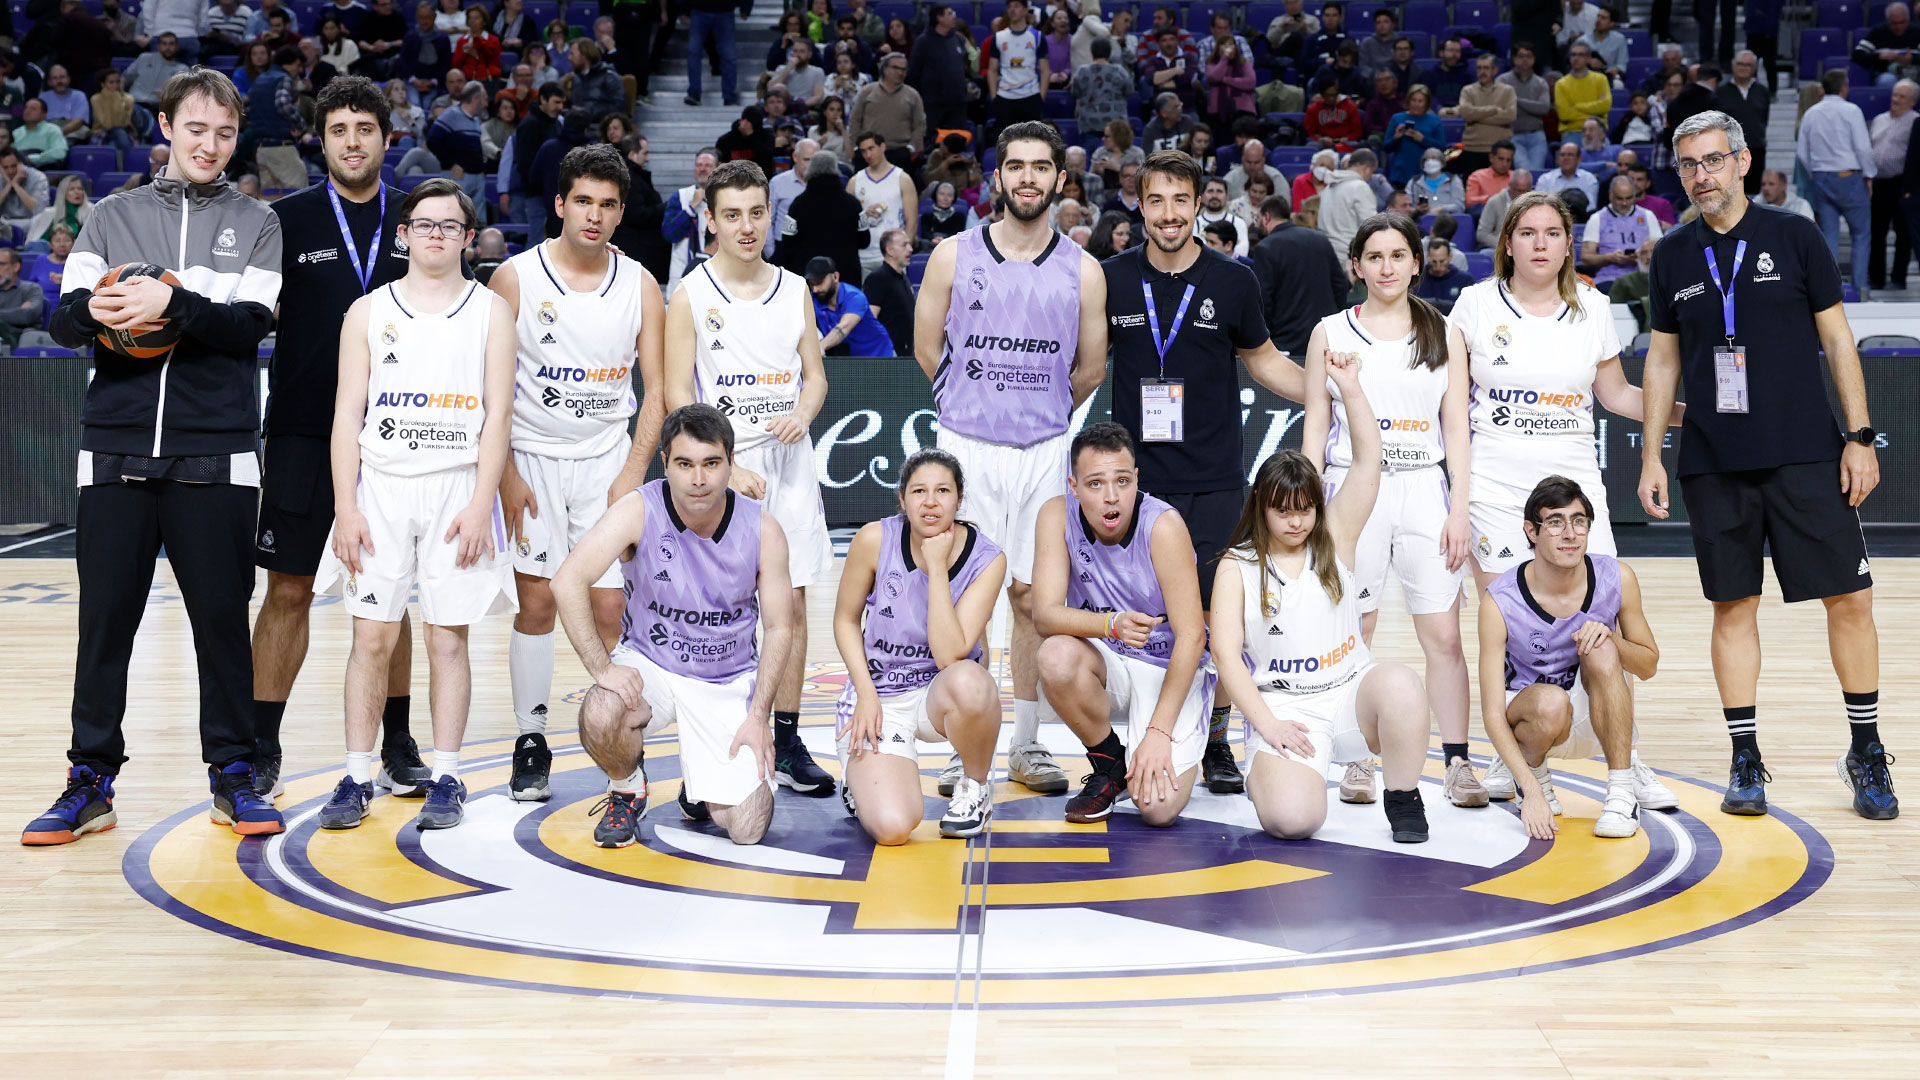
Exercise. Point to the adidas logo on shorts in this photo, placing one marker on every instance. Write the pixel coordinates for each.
(546, 339)
(897, 738)
(542, 557)
(390, 359)
(1863, 568)
(1506, 553)
(1366, 593)
(662, 576)
(368, 599)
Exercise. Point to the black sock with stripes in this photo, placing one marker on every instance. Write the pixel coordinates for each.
(1863, 717)
(1743, 729)
(1109, 756)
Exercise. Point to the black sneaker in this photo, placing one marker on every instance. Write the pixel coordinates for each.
(266, 777)
(1220, 771)
(1872, 783)
(693, 811)
(1746, 786)
(1406, 816)
(401, 770)
(617, 825)
(532, 768)
(793, 767)
(1096, 799)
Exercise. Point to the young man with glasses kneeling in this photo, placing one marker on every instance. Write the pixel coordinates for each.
(1559, 633)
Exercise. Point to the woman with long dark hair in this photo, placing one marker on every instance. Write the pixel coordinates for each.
(1285, 626)
(1112, 234)
(915, 596)
(1413, 367)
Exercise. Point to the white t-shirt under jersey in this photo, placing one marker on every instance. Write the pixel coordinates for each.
(1533, 375)
(746, 358)
(427, 372)
(1405, 397)
(573, 390)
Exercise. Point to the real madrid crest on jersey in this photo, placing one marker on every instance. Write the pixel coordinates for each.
(714, 321)
(389, 335)
(1206, 309)
(547, 313)
(1502, 338)
(977, 281)
(1764, 264)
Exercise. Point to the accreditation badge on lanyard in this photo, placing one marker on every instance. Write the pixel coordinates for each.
(362, 268)
(1163, 400)
(1730, 362)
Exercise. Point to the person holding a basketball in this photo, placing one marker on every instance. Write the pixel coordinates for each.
(174, 283)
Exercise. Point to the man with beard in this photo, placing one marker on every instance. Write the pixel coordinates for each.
(1180, 313)
(1011, 327)
(1213, 208)
(340, 243)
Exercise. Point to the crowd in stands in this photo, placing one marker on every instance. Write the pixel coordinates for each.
(878, 125)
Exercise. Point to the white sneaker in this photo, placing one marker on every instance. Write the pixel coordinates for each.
(950, 776)
(1620, 816)
(1499, 781)
(1648, 788)
(1033, 767)
(1545, 776)
(967, 813)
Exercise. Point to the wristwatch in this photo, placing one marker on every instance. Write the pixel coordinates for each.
(1864, 436)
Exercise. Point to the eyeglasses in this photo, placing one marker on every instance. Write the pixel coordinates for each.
(1713, 163)
(449, 229)
(1558, 524)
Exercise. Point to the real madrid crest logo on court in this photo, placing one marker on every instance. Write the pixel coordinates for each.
(1210, 910)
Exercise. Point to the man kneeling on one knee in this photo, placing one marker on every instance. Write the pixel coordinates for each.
(702, 565)
(1116, 596)
(1558, 636)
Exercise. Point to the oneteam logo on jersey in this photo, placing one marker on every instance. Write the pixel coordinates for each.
(817, 915)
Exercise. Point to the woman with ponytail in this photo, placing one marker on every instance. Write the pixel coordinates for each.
(1414, 369)
(1285, 632)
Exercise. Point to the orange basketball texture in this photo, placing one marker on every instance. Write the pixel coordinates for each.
(152, 343)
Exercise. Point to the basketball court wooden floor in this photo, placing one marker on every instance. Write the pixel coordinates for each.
(1707, 947)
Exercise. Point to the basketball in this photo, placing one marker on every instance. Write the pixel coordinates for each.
(153, 342)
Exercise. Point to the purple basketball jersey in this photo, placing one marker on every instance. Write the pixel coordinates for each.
(1119, 577)
(1540, 648)
(693, 601)
(1012, 330)
(898, 657)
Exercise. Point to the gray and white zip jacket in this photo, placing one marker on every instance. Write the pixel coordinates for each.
(200, 399)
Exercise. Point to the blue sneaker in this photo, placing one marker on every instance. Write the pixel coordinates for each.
(617, 826)
(446, 800)
(1871, 782)
(235, 802)
(347, 807)
(793, 767)
(86, 806)
(1746, 786)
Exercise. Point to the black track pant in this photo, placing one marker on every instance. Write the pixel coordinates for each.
(207, 530)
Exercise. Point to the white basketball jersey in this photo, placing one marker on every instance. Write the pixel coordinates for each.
(426, 376)
(1532, 374)
(885, 194)
(1299, 641)
(746, 356)
(573, 391)
(1405, 397)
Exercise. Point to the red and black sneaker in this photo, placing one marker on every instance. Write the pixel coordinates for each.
(1096, 799)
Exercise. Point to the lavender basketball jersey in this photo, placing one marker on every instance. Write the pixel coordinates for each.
(1540, 647)
(693, 601)
(1012, 330)
(1119, 577)
(898, 657)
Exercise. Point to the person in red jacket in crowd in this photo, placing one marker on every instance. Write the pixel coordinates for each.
(477, 52)
(1333, 120)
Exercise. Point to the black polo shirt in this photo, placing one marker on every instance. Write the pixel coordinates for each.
(1787, 276)
(1224, 316)
(317, 286)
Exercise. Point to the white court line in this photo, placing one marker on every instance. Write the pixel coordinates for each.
(37, 540)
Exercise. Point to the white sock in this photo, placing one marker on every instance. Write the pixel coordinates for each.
(1620, 780)
(1026, 722)
(632, 785)
(360, 766)
(530, 669)
(1542, 773)
(445, 763)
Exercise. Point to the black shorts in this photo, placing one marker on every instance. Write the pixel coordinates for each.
(1797, 512)
(1210, 518)
(296, 505)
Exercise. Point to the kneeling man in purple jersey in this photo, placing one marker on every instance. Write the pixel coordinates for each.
(702, 566)
(1558, 635)
(1117, 596)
